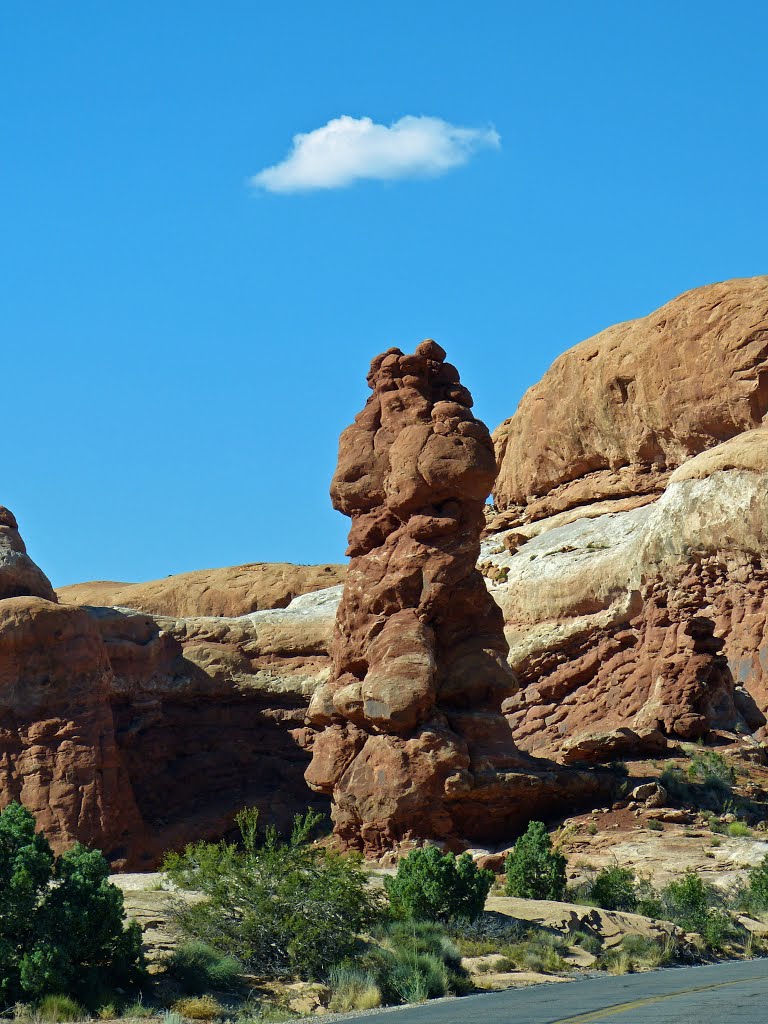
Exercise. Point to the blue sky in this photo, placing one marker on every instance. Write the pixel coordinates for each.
(181, 348)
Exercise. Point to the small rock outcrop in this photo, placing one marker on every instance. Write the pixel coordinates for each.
(19, 576)
(229, 592)
(412, 742)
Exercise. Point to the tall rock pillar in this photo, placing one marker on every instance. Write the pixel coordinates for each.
(411, 741)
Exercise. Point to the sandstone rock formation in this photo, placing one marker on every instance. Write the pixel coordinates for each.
(112, 721)
(634, 619)
(412, 742)
(57, 741)
(58, 753)
(237, 590)
(632, 628)
(627, 557)
(614, 416)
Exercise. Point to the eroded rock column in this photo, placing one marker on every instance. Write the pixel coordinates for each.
(409, 722)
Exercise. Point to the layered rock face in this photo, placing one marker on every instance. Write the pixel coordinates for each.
(634, 592)
(633, 629)
(616, 415)
(57, 740)
(412, 742)
(58, 753)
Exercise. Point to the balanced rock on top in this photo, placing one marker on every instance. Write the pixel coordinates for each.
(19, 576)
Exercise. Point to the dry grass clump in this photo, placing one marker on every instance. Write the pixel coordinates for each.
(199, 1008)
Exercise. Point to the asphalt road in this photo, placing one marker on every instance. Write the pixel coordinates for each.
(729, 993)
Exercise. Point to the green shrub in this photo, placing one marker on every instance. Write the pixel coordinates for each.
(673, 779)
(492, 933)
(62, 923)
(758, 885)
(540, 951)
(696, 906)
(528, 947)
(416, 978)
(422, 937)
(534, 869)
(588, 941)
(199, 967)
(55, 1009)
(738, 830)
(646, 952)
(709, 767)
(263, 1012)
(434, 886)
(614, 888)
(281, 908)
(708, 782)
(615, 961)
(655, 826)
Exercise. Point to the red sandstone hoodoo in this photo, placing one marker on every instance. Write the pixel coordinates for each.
(412, 742)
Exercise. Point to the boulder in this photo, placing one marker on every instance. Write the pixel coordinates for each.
(111, 721)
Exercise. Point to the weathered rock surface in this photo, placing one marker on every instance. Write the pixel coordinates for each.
(136, 733)
(237, 590)
(630, 628)
(58, 753)
(614, 416)
(610, 926)
(411, 739)
(210, 712)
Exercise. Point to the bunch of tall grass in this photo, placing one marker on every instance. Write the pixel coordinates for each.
(59, 1009)
(199, 967)
(353, 989)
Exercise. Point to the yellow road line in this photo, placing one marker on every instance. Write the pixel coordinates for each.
(636, 1004)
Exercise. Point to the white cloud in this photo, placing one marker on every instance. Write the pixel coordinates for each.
(348, 149)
